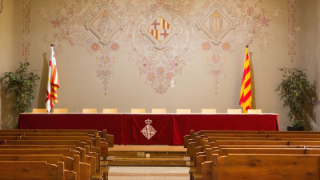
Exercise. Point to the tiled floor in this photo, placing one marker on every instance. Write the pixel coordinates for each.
(148, 173)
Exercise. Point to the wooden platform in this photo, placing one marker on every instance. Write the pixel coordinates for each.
(152, 155)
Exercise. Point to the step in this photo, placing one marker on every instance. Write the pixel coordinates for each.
(171, 161)
(147, 155)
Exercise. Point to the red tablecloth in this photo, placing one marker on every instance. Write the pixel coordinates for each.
(166, 129)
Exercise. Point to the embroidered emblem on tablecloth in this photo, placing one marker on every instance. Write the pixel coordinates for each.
(148, 131)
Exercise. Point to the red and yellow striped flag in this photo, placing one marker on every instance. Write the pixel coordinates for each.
(245, 94)
(53, 83)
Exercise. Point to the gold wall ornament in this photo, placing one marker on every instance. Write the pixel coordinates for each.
(104, 25)
(216, 24)
(160, 30)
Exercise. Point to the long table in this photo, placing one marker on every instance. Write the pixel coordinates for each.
(149, 129)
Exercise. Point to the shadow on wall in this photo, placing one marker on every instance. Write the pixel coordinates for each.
(9, 119)
(43, 82)
(253, 90)
(310, 109)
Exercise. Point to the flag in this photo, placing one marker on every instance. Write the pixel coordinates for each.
(53, 83)
(245, 94)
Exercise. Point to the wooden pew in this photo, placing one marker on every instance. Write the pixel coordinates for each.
(86, 156)
(35, 170)
(51, 141)
(91, 132)
(193, 150)
(45, 134)
(196, 148)
(71, 164)
(84, 150)
(226, 151)
(193, 134)
(262, 167)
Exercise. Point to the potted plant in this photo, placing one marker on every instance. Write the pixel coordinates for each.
(21, 84)
(293, 91)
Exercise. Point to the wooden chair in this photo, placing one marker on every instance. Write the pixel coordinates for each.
(110, 111)
(234, 111)
(89, 110)
(209, 111)
(183, 111)
(60, 110)
(254, 111)
(39, 110)
(159, 111)
(138, 111)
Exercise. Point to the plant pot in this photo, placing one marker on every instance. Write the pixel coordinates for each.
(290, 128)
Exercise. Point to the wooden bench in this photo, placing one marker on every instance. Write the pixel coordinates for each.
(35, 170)
(92, 132)
(71, 164)
(193, 134)
(201, 147)
(208, 156)
(262, 167)
(50, 143)
(94, 143)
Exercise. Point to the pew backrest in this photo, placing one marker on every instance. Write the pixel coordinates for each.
(27, 170)
(266, 167)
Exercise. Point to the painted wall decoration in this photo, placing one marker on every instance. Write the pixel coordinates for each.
(292, 35)
(26, 29)
(160, 36)
(91, 25)
(226, 26)
(1, 6)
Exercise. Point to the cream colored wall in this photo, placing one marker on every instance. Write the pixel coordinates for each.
(318, 59)
(80, 87)
(10, 48)
(306, 46)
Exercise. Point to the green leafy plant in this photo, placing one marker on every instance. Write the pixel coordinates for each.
(293, 91)
(21, 84)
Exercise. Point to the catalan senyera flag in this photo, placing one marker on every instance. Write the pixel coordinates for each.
(245, 94)
(53, 83)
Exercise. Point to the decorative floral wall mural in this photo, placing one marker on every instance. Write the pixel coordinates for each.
(160, 36)
(160, 39)
(292, 35)
(227, 24)
(92, 25)
(26, 29)
(1, 6)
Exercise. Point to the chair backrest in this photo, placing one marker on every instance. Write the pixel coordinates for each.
(159, 111)
(39, 110)
(89, 110)
(183, 111)
(60, 110)
(209, 111)
(254, 111)
(110, 111)
(234, 111)
(138, 111)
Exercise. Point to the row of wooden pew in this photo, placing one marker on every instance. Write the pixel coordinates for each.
(54, 154)
(251, 155)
